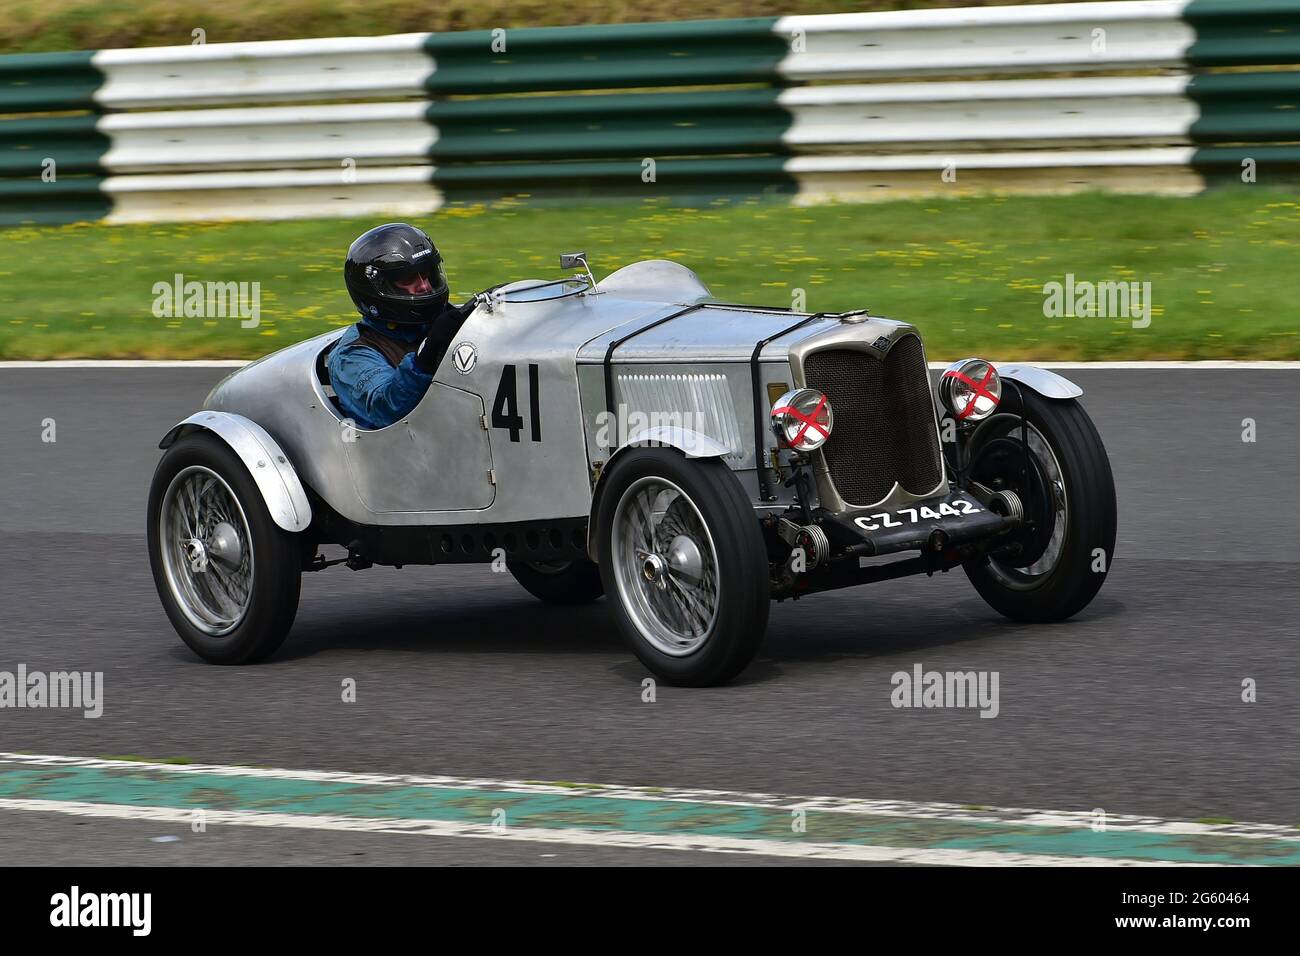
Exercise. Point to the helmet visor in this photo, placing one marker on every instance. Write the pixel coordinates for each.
(420, 281)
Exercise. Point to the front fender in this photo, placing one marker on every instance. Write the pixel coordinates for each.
(689, 442)
(1043, 381)
(281, 489)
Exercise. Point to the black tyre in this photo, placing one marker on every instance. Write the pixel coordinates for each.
(559, 582)
(227, 575)
(1059, 562)
(684, 564)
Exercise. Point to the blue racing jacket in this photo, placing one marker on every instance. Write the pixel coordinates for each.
(378, 381)
(372, 391)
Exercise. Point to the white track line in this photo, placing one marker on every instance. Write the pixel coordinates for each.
(887, 808)
(239, 363)
(577, 837)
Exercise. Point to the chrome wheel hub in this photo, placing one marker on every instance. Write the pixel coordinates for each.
(685, 559)
(224, 544)
(655, 570)
(195, 553)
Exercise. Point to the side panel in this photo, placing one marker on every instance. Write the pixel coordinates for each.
(440, 455)
(523, 370)
(437, 458)
(283, 393)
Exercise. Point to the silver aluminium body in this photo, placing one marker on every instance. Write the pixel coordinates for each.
(678, 373)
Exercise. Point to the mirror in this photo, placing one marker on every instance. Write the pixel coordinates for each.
(572, 260)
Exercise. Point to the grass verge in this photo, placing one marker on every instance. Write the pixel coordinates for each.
(968, 272)
(30, 26)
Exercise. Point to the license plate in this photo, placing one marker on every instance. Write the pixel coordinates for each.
(904, 516)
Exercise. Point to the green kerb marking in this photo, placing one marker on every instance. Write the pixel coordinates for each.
(149, 787)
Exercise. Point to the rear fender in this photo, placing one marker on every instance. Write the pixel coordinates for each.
(276, 479)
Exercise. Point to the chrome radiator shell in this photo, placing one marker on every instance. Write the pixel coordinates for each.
(885, 449)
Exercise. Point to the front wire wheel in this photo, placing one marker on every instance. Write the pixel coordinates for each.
(1021, 571)
(1055, 565)
(227, 575)
(683, 561)
(666, 565)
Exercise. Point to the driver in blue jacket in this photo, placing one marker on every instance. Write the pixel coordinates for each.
(382, 366)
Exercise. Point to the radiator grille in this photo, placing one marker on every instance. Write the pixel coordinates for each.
(884, 420)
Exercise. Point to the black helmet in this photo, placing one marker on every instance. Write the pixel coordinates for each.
(388, 255)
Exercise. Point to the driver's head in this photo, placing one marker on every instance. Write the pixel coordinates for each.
(416, 285)
(394, 274)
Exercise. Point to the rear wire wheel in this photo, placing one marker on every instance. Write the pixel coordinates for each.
(559, 582)
(228, 576)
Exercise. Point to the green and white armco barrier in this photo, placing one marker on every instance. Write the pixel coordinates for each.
(849, 106)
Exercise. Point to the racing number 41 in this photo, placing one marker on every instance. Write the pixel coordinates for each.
(505, 407)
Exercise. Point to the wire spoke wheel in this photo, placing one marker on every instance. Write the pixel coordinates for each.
(1054, 565)
(1052, 515)
(206, 550)
(665, 565)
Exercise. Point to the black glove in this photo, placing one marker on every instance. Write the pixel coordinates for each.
(441, 331)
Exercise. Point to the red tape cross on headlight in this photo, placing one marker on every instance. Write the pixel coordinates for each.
(808, 420)
(978, 386)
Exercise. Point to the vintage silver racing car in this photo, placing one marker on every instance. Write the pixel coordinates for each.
(690, 458)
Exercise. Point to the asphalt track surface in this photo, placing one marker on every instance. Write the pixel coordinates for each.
(1134, 706)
